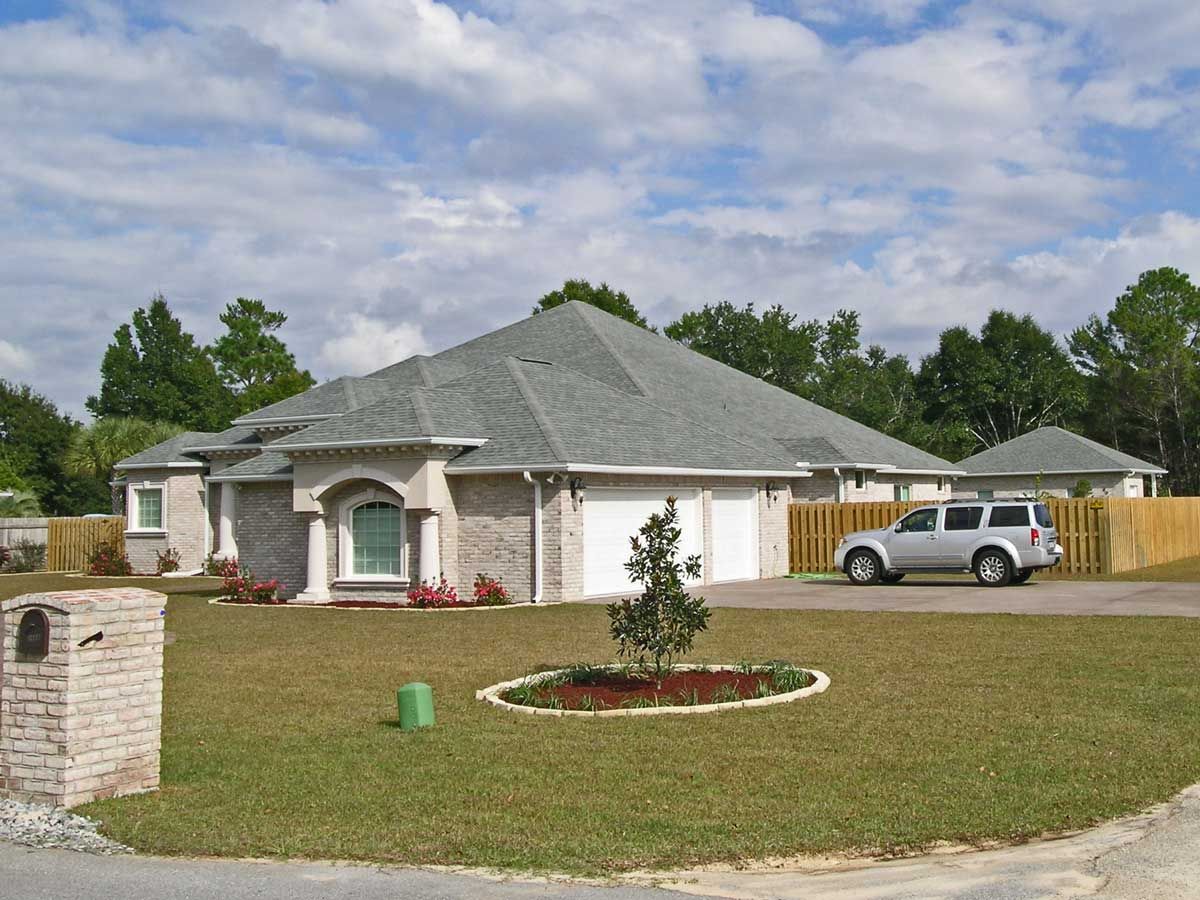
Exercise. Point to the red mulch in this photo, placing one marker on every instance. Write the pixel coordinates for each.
(393, 604)
(610, 693)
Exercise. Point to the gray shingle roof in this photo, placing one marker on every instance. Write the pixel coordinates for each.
(329, 399)
(636, 361)
(418, 412)
(241, 437)
(169, 452)
(267, 465)
(1053, 449)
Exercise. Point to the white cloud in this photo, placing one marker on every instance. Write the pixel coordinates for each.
(369, 344)
(13, 359)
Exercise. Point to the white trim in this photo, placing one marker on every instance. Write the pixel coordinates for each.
(952, 473)
(379, 442)
(345, 539)
(537, 538)
(131, 507)
(163, 465)
(391, 581)
(631, 470)
(285, 420)
(218, 478)
(1066, 472)
(208, 535)
(824, 467)
(248, 447)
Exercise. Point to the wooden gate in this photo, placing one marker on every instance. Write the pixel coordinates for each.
(71, 540)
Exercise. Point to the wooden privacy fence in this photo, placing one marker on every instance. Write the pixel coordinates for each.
(1099, 536)
(71, 540)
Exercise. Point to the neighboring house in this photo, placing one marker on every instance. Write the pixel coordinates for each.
(532, 454)
(1053, 460)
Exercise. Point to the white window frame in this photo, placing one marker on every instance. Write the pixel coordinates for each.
(131, 506)
(346, 539)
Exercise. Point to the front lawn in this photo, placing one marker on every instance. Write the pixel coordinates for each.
(279, 738)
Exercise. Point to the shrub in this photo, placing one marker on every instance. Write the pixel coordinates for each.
(168, 561)
(1083, 488)
(265, 591)
(106, 561)
(221, 568)
(236, 583)
(5, 557)
(429, 596)
(28, 556)
(663, 621)
(490, 592)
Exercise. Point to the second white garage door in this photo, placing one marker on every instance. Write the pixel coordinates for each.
(734, 534)
(612, 515)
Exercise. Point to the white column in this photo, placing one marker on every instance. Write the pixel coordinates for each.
(318, 582)
(226, 543)
(429, 565)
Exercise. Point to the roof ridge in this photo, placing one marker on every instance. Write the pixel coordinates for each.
(421, 410)
(609, 347)
(535, 407)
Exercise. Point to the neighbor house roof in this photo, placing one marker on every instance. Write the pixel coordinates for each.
(171, 453)
(1054, 450)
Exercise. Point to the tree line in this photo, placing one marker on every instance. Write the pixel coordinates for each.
(1129, 379)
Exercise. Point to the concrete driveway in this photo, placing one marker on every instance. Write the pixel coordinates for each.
(963, 595)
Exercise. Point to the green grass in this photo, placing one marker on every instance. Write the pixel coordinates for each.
(280, 739)
(1179, 570)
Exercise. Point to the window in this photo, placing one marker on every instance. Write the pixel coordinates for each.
(941, 483)
(1009, 517)
(902, 491)
(1041, 512)
(146, 508)
(921, 520)
(963, 518)
(985, 495)
(860, 479)
(377, 539)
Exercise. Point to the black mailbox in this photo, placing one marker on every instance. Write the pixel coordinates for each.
(33, 634)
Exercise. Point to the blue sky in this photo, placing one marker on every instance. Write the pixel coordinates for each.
(400, 175)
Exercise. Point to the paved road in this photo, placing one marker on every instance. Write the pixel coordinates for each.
(1074, 598)
(1149, 856)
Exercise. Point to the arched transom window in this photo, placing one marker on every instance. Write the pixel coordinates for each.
(377, 539)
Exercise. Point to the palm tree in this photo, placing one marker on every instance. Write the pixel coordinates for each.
(19, 505)
(96, 448)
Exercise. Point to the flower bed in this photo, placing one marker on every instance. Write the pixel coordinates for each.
(586, 690)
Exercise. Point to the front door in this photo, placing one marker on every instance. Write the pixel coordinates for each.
(913, 541)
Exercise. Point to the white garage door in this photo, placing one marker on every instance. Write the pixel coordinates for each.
(611, 516)
(734, 534)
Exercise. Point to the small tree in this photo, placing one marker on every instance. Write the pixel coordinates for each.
(663, 621)
(1083, 488)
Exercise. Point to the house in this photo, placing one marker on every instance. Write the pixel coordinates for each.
(532, 454)
(1055, 461)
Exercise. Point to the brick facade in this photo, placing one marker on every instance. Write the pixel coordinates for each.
(272, 540)
(495, 529)
(183, 496)
(82, 722)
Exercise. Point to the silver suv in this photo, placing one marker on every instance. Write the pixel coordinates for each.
(1001, 541)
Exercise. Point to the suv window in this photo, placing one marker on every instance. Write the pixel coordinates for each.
(1041, 512)
(963, 518)
(1008, 516)
(921, 520)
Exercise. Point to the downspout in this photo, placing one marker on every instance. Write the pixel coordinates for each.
(537, 537)
(841, 488)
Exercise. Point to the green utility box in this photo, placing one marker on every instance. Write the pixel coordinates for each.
(416, 706)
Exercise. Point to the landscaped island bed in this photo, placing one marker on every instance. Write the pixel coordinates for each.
(281, 741)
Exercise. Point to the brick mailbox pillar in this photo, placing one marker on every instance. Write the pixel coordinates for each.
(80, 695)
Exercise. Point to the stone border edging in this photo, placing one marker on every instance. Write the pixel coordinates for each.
(217, 601)
(492, 695)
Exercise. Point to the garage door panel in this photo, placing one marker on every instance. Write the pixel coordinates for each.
(611, 516)
(734, 534)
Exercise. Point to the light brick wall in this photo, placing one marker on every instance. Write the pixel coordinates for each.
(186, 522)
(1104, 484)
(878, 487)
(272, 540)
(83, 723)
(495, 530)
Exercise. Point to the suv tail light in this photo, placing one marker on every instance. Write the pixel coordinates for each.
(1035, 537)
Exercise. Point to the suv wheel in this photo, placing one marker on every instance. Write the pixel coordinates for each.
(993, 569)
(1022, 576)
(892, 578)
(864, 567)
